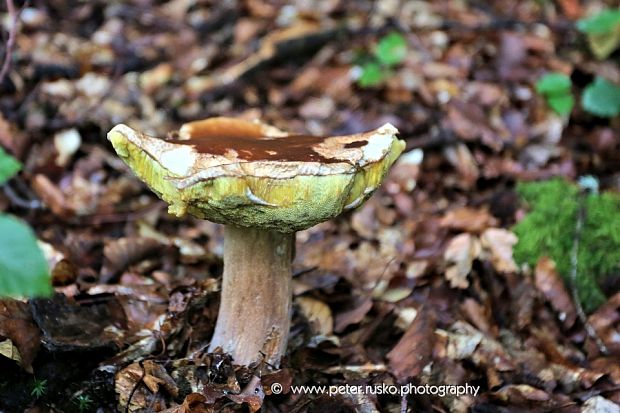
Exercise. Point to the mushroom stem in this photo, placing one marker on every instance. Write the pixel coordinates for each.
(255, 308)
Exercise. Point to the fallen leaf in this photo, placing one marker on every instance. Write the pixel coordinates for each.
(461, 158)
(413, 351)
(461, 252)
(122, 252)
(318, 314)
(68, 326)
(8, 350)
(20, 332)
(52, 196)
(282, 377)
(353, 316)
(500, 242)
(252, 395)
(606, 321)
(462, 341)
(551, 285)
(405, 317)
(155, 375)
(129, 390)
(468, 219)
(477, 314)
(193, 403)
(519, 394)
(599, 404)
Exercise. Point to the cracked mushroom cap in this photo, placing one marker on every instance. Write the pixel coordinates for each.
(250, 174)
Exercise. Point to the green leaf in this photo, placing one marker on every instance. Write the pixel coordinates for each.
(23, 268)
(603, 22)
(9, 166)
(603, 32)
(392, 49)
(553, 84)
(602, 45)
(372, 75)
(601, 98)
(562, 105)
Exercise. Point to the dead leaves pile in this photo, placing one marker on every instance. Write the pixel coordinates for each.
(418, 286)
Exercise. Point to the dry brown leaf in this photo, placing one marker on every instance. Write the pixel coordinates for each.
(333, 81)
(413, 351)
(518, 394)
(8, 350)
(461, 252)
(282, 377)
(125, 385)
(469, 122)
(318, 314)
(478, 315)
(468, 219)
(252, 395)
(11, 138)
(193, 403)
(122, 252)
(461, 158)
(52, 196)
(18, 327)
(276, 44)
(466, 342)
(155, 375)
(551, 285)
(500, 242)
(606, 322)
(353, 316)
(64, 272)
(462, 341)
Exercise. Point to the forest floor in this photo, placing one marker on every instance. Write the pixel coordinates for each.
(418, 286)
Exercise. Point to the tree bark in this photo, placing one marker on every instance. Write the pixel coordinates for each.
(255, 309)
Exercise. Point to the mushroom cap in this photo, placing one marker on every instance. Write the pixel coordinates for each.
(250, 174)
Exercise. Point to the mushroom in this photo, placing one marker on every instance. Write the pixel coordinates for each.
(263, 185)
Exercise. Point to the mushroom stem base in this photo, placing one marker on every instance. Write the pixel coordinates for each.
(255, 308)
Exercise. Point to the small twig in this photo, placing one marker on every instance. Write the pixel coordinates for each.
(8, 51)
(304, 271)
(581, 217)
(140, 363)
(115, 217)
(18, 200)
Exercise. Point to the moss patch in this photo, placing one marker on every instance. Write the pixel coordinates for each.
(549, 229)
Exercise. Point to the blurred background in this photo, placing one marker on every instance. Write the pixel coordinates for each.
(490, 256)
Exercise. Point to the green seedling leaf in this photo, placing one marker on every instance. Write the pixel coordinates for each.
(372, 75)
(562, 105)
(23, 268)
(603, 32)
(603, 22)
(9, 166)
(392, 49)
(602, 98)
(556, 88)
(554, 84)
(602, 45)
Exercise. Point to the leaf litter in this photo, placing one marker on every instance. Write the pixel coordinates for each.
(418, 286)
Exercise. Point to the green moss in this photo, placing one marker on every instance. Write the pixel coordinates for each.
(549, 230)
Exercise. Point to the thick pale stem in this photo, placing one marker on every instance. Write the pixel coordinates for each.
(255, 309)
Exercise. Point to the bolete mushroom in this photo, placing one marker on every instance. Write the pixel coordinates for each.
(263, 185)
